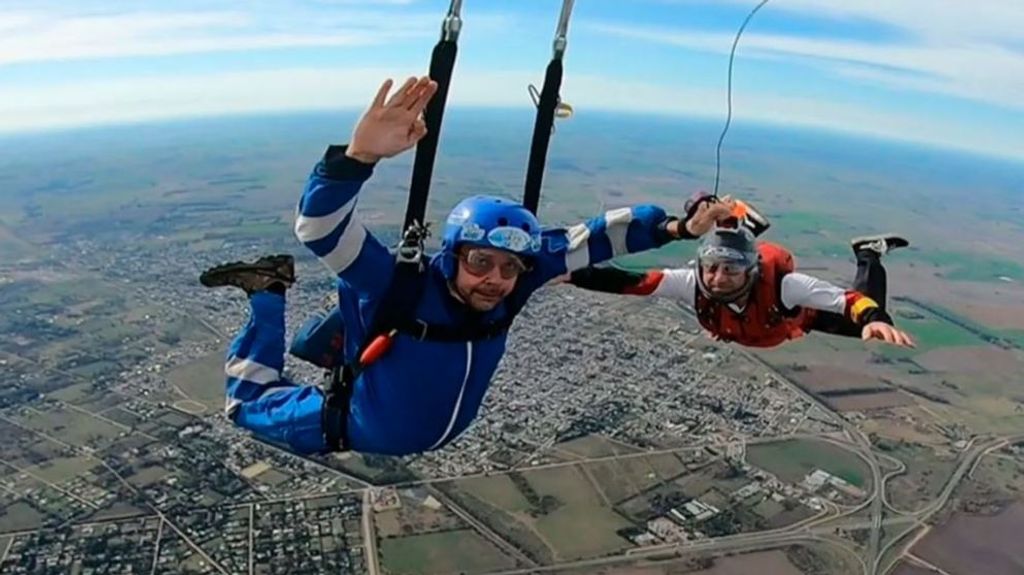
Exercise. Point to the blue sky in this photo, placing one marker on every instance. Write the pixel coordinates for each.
(945, 72)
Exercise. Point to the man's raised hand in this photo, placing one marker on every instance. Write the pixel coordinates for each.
(392, 125)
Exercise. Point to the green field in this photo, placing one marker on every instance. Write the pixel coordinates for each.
(74, 393)
(20, 516)
(925, 475)
(69, 426)
(964, 266)
(793, 459)
(378, 470)
(583, 526)
(935, 333)
(415, 518)
(38, 452)
(622, 479)
(1014, 335)
(64, 468)
(566, 519)
(594, 446)
(272, 477)
(497, 490)
(202, 381)
(148, 476)
(509, 527)
(461, 551)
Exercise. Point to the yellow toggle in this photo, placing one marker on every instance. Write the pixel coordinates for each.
(860, 306)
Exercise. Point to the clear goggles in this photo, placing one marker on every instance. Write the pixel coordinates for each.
(480, 263)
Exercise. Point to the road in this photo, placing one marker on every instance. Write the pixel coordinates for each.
(863, 449)
(369, 536)
(734, 543)
(480, 527)
(877, 501)
(966, 467)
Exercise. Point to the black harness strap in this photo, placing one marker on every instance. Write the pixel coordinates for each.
(403, 293)
(545, 120)
(396, 311)
(424, 331)
(442, 62)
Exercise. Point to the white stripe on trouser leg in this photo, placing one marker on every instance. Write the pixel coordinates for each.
(230, 405)
(249, 370)
(617, 225)
(618, 217)
(276, 389)
(617, 238)
(578, 255)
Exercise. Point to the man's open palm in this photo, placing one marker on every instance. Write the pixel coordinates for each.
(392, 125)
(887, 333)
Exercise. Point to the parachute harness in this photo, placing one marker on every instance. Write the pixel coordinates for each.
(396, 311)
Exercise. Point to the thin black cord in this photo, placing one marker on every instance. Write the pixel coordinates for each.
(728, 117)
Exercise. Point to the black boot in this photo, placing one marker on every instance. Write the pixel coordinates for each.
(880, 244)
(273, 273)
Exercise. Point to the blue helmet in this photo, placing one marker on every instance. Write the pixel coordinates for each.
(489, 222)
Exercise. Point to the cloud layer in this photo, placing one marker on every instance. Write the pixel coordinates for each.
(945, 47)
(923, 49)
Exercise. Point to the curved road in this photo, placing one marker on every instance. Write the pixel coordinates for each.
(965, 467)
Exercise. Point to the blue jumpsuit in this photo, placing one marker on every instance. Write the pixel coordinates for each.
(422, 394)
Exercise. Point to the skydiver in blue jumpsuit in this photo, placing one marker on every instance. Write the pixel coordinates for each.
(421, 394)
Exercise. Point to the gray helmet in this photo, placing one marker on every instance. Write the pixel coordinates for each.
(730, 246)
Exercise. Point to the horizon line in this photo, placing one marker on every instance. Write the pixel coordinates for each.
(56, 130)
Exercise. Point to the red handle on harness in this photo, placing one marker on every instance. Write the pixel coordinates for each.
(377, 348)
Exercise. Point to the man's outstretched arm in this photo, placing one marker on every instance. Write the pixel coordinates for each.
(672, 283)
(327, 222)
(855, 312)
(328, 225)
(677, 283)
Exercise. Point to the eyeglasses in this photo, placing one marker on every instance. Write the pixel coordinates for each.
(479, 263)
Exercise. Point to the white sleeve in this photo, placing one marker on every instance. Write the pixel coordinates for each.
(810, 292)
(678, 284)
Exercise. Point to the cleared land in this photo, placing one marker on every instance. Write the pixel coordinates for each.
(792, 460)
(595, 446)
(70, 426)
(926, 474)
(869, 401)
(461, 551)
(202, 381)
(977, 544)
(555, 514)
(762, 563)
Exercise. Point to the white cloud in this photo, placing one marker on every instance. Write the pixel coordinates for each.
(939, 21)
(973, 61)
(60, 32)
(368, 2)
(139, 99)
(43, 36)
(983, 72)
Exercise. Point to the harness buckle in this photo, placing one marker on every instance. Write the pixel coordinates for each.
(410, 249)
(423, 327)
